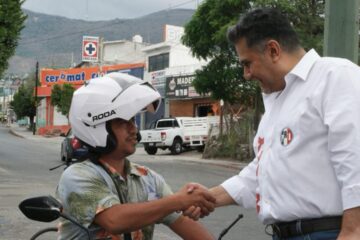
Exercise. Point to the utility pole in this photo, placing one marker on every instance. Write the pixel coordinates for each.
(341, 37)
(221, 117)
(72, 60)
(36, 86)
(3, 98)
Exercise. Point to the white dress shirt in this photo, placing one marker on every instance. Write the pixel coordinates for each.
(307, 147)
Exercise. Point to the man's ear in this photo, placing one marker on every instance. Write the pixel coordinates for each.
(273, 49)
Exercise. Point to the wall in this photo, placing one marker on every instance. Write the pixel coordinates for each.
(181, 55)
(186, 108)
(41, 113)
(123, 52)
(59, 119)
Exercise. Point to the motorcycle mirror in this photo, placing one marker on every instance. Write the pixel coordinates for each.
(43, 209)
(223, 232)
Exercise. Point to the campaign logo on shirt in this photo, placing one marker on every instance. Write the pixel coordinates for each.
(286, 136)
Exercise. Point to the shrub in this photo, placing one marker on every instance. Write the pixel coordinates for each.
(235, 142)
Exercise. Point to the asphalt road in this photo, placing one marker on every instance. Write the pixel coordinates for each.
(24, 173)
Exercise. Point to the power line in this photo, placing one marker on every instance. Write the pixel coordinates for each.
(180, 4)
(69, 34)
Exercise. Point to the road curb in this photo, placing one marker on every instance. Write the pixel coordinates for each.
(229, 165)
(15, 133)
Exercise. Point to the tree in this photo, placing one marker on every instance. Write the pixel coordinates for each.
(12, 22)
(205, 34)
(61, 96)
(23, 103)
(307, 17)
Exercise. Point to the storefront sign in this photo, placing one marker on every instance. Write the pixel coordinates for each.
(180, 87)
(158, 80)
(90, 49)
(79, 75)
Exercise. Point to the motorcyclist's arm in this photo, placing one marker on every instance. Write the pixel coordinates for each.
(187, 228)
(350, 227)
(128, 217)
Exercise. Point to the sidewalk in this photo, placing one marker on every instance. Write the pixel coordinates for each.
(24, 132)
(190, 156)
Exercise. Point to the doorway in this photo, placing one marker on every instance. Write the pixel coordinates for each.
(203, 110)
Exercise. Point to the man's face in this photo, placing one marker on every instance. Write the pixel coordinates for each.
(257, 65)
(125, 133)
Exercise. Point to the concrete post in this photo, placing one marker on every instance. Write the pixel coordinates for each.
(341, 37)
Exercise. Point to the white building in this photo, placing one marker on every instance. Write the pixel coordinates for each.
(123, 51)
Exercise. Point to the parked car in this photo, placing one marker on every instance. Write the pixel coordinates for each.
(71, 147)
(177, 133)
(164, 134)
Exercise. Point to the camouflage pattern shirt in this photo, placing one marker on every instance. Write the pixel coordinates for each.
(85, 189)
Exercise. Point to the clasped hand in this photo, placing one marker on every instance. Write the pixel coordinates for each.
(198, 201)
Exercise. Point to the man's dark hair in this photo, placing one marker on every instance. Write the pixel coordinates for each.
(263, 24)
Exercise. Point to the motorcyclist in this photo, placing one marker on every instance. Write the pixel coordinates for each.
(107, 193)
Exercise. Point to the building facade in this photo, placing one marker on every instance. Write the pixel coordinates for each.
(168, 65)
(48, 117)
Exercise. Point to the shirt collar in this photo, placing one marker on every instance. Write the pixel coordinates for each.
(303, 67)
(130, 169)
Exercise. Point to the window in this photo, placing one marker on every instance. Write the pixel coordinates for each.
(158, 62)
(165, 124)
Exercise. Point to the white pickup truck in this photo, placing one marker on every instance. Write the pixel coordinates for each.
(196, 130)
(177, 133)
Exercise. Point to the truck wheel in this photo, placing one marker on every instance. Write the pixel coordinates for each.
(176, 147)
(151, 150)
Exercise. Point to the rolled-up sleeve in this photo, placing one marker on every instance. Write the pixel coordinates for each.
(242, 187)
(342, 117)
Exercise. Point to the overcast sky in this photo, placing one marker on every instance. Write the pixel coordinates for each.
(105, 9)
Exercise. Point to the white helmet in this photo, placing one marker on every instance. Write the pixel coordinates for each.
(115, 95)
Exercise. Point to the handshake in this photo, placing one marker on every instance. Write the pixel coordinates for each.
(195, 201)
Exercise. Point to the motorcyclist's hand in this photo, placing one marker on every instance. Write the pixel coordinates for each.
(193, 212)
(197, 200)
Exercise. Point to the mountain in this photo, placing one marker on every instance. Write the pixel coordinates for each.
(56, 41)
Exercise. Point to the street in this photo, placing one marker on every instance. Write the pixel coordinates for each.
(24, 173)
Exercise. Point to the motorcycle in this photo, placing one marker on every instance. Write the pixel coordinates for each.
(48, 209)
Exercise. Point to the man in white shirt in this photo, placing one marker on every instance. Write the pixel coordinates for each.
(305, 179)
